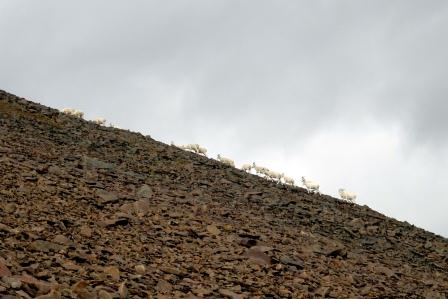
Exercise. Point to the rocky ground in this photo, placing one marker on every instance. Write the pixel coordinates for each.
(88, 211)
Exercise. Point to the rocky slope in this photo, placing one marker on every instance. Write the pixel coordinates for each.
(93, 212)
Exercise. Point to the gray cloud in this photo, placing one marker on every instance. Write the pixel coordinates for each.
(258, 79)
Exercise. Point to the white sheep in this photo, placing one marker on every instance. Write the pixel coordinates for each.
(311, 186)
(259, 169)
(184, 147)
(193, 147)
(73, 112)
(288, 180)
(196, 148)
(246, 167)
(273, 175)
(347, 195)
(68, 111)
(226, 161)
(78, 113)
(201, 150)
(100, 121)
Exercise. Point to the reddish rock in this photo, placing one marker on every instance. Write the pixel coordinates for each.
(76, 198)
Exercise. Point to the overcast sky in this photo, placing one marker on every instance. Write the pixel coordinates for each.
(352, 94)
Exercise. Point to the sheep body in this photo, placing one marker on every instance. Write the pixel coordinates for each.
(100, 121)
(198, 149)
(195, 148)
(246, 167)
(288, 180)
(259, 169)
(311, 186)
(73, 112)
(78, 113)
(273, 175)
(114, 126)
(347, 195)
(68, 111)
(226, 161)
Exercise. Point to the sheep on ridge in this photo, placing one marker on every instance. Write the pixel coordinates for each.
(114, 126)
(195, 148)
(226, 161)
(78, 114)
(288, 180)
(310, 186)
(246, 167)
(68, 111)
(347, 195)
(73, 112)
(100, 121)
(273, 175)
(198, 149)
(259, 169)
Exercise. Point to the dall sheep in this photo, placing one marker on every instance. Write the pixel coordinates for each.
(226, 161)
(114, 126)
(195, 148)
(311, 186)
(347, 195)
(198, 149)
(273, 175)
(259, 169)
(100, 121)
(78, 113)
(184, 147)
(246, 167)
(288, 180)
(68, 111)
(73, 112)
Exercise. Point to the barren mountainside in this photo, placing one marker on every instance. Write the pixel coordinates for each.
(88, 211)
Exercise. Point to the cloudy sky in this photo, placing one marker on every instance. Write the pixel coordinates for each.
(350, 93)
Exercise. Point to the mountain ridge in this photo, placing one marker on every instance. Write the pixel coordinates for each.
(83, 205)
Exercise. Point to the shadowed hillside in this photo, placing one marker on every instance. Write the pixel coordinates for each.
(88, 211)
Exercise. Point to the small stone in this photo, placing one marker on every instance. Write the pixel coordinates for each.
(113, 272)
(10, 207)
(230, 294)
(212, 229)
(4, 271)
(14, 282)
(106, 197)
(163, 286)
(173, 271)
(52, 295)
(61, 239)
(142, 206)
(297, 263)
(123, 291)
(140, 269)
(45, 246)
(23, 294)
(82, 284)
(144, 192)
(103, 294)
(92, 163)
(258, 256)
(85, 231)
(228, 227)
(284, 292)
(43, 286)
